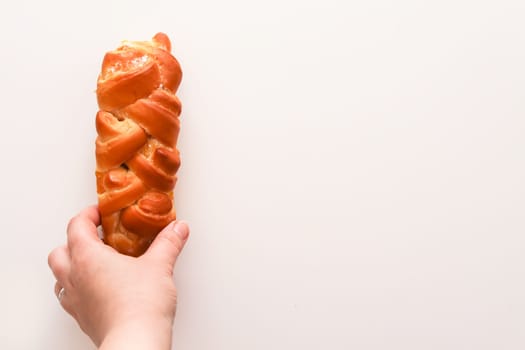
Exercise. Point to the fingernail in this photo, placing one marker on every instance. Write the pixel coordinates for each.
(181, 229)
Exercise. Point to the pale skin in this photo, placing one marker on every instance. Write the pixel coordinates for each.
(120, 302)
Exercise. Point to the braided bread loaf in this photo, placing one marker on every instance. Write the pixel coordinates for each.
(137, 126)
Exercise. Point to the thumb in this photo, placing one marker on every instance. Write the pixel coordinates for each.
(169, 243)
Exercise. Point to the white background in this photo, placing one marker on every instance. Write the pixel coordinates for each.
(353, 171)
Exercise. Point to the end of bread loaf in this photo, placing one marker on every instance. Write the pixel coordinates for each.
(137, 125)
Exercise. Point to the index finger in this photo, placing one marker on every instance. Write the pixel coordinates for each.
(82, 229)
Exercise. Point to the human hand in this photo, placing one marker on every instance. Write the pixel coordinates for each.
(117, 300)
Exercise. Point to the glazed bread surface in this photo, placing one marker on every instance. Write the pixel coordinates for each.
(137, 126)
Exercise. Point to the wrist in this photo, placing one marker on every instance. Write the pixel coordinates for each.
(139, 334)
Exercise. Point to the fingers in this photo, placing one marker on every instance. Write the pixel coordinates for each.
(59, 262)
(81, 232)
(82, 229)
(169, 243)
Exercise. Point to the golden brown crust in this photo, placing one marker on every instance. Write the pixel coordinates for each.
(137, 126)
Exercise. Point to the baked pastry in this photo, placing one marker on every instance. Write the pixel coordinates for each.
(137, 126)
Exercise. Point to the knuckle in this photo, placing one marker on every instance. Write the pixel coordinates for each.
(72, 223)
(58, 269)
(81, 258)
(172, 241)
(52, 258)
(73, 229)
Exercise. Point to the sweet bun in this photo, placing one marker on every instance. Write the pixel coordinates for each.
(137, 127)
